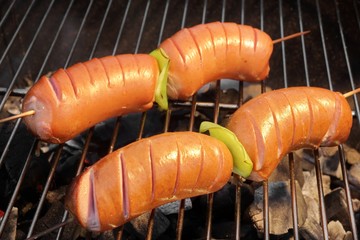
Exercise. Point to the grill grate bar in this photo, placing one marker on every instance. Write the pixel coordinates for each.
(323, 217)
(45, 191)
(7, 94)
(351, 79)
(326, 59)
(7, 13)
(293, 195)
(347, 192)
(17, 188)
(306, 70)
(78, 34)
(121, 28)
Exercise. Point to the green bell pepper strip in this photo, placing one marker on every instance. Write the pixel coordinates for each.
(160, 89)
(242, 162)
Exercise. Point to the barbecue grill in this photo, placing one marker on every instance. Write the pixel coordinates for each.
(38, 37)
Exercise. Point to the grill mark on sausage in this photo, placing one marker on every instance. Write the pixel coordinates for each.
(138, 65)
(93, 215)
(259, 139)
(329, 136)
(178, 49)
(55, 88)
(178, 165)
(122, 71)
(125, 188)
(202, 152)
(226, 39)
(240, 40)
(311, 115)
(212, 39)
(193, 37)
(277, 128)
(72, 82)
(293, 118)
(106, 72)
(153, 172)
(92, 80)
(255, 39)
(220, 166)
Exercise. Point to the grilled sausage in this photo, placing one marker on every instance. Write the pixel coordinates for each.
(275, 123)
(211, 51)
(76, 98)
(145, 174)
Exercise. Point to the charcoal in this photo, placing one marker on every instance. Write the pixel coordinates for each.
(11, 224)
(311, 229)
(336, 231)
(139, 225)
(280, 216)
(282, 171)
(173, 207)
(310, 188)
(52, 217)
(336, 207)
(354, 175)
(351, 154)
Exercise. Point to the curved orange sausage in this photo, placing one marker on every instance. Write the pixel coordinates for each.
(212, 51)
(146, 174)
(275, 123)
(76, 98)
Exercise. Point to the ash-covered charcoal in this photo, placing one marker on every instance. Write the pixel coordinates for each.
(336, 231)
(280, 216)
(11, 225)
(310, 188)
(139, 226)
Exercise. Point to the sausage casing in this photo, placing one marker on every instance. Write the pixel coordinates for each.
(148, 173)
(212, 51)
(277, 122)
(76, 98)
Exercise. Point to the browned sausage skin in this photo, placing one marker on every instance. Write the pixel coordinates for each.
(148, 173)
(277, 122)
(74, 99)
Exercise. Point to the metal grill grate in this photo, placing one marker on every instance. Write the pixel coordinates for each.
(40, 36)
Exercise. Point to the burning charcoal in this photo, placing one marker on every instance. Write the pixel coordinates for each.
(336, 207)
(336, 231)
(173, 207)
(280, 215)
(354, 175)
(139, 225)
(10, 227)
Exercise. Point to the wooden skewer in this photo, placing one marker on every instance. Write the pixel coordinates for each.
(290, 37)
(349, 94)
(24, 114)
